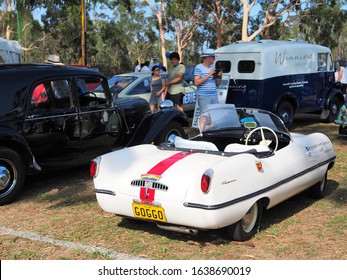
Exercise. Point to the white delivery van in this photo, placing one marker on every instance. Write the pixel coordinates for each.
(283, 77)
(10, 51)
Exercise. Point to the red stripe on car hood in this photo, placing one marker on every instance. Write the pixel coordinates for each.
(162, 166)
(148, 194)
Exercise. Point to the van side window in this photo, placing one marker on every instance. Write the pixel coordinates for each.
(225, 66)
(322, 61)
(246, 66)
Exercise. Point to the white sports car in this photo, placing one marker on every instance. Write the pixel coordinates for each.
(243, 160)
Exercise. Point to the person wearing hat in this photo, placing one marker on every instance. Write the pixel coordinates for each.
(155, 62)
(206, 79)
(53, 59)
(175, 85)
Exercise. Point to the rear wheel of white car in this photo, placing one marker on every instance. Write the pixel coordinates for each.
(248, 226)
(319, 190)
(172, 128)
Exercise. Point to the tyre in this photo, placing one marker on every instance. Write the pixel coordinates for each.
(334, 108)
(285, 111)
(12, 175)
(248, 226)
(319, 190)
(172, 128)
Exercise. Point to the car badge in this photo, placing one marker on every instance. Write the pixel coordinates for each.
(259, 166)
(151, 177)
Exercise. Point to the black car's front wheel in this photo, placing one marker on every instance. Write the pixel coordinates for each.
(248, 226)
(172, 128)
(12, 175)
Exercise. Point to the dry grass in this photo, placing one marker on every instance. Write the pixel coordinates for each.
(62, 206)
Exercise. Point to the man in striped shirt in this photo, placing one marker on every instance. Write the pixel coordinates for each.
(206, 79)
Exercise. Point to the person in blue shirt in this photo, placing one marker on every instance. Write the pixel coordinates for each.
(206, 79)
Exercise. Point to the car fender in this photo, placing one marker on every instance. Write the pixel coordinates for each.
(332, 92)
(161, 119)
(15, 141)
(289, 97)
(156, 123)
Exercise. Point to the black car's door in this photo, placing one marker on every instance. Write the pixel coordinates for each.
(51, 124)
(99, 121)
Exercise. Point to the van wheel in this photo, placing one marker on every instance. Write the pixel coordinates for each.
(334, 108)
(12, 175)
(285, 111)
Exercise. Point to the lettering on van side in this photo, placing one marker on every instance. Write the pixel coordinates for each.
(281, 57)
(239, 88)
(295, 84)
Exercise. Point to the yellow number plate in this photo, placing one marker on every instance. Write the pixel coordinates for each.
(149, 212)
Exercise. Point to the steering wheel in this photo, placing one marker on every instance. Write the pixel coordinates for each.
(92, 96)
(89, 93)
(264, 141)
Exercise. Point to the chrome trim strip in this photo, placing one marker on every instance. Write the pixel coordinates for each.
(242, 198)
(105, 192)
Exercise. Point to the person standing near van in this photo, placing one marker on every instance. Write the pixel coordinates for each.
(207, 79)
(175, 85)
(342, 76)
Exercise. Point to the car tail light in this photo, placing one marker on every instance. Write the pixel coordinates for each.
(205, 181)
(94, 167)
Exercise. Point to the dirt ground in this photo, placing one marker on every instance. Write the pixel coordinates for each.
(57, 217)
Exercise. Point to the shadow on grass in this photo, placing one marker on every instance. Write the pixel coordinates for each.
(294, 205)
(61, 188)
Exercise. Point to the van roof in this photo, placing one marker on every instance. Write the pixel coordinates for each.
(267, 46)
(10, 45)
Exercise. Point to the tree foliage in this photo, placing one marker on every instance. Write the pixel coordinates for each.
(322, 24)
(121, 31)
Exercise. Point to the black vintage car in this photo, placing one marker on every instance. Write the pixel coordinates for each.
(51, 118)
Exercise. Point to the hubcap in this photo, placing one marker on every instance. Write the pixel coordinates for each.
(249, 220)
(285, 116)
(5, 177)
(8, 177)
(172, 134)
(333, 109)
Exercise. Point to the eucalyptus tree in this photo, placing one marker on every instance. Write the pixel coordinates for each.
(272, 12)
(220, 18)
(183, 17)
(322, 22)
(126, 36)
(340, 52)
(158, 10)
(17, 23)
